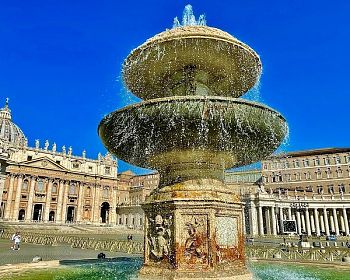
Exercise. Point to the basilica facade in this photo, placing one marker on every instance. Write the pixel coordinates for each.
(46, 185)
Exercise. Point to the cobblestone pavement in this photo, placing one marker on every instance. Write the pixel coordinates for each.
(61, 252)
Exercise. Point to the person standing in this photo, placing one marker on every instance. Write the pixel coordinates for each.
(17, 240)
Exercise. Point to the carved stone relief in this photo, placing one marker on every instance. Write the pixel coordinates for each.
(194, 240)
(160, 237)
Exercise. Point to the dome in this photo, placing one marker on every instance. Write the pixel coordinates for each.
(9, 132)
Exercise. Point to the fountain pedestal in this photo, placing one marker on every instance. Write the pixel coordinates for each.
(191, 228)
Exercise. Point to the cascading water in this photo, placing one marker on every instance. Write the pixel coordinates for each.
(190, 127)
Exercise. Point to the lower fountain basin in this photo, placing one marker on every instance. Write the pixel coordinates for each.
(128, 270)
(194, 136)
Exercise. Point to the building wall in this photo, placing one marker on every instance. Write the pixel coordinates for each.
(309, 187)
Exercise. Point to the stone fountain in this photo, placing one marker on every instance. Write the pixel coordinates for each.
(191, 126)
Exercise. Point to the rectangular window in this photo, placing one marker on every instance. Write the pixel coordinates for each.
(327, 161)
(319, 189)
(29, 158)
(107, 170)
(330, 189)
(347, 158)
(296, 164)
(306, 163)
(58, 161)
(337, 160)
(317, 162)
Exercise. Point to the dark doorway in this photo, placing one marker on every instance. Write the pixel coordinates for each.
(52, 216)
(105, 212)
(21, 215)
(70, 214)
(38, 209)
(2, 208)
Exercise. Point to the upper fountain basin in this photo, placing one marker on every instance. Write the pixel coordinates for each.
(191, 60)
(202, 133)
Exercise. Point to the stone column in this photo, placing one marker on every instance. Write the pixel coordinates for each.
(326, 223)
(30, 199)
(342, 223)
(317, 222)
(281, 220)
(60, 202)
(312, 222)
(65, 200)
(2, 186)
(261, 221)
(80, 202)
(336, 221)
(92, 203)
(308, 226)
(17, 197)
(346, 221)
(9, 198)
(323, 227)
(298, 222)
(97, 210)
(112, 210)
(331, 220)
(273, 217)
(268, 221)
(48, 200)
(303, 224)
(289, 213)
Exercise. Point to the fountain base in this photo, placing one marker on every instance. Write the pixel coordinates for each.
(194, 229)
(148, 274)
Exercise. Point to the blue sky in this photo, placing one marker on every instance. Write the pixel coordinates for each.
(60, 62)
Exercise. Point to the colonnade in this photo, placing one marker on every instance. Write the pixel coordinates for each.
(130, 220)
(311, 220)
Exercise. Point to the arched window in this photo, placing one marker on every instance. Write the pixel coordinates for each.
(72, 189)
(40, 185)
(25, 185)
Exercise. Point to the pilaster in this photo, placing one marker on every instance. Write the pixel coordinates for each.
(60, 202)
(49, 184)
(65, 200)
(9, 197)
(80, 202)
(30, 199)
